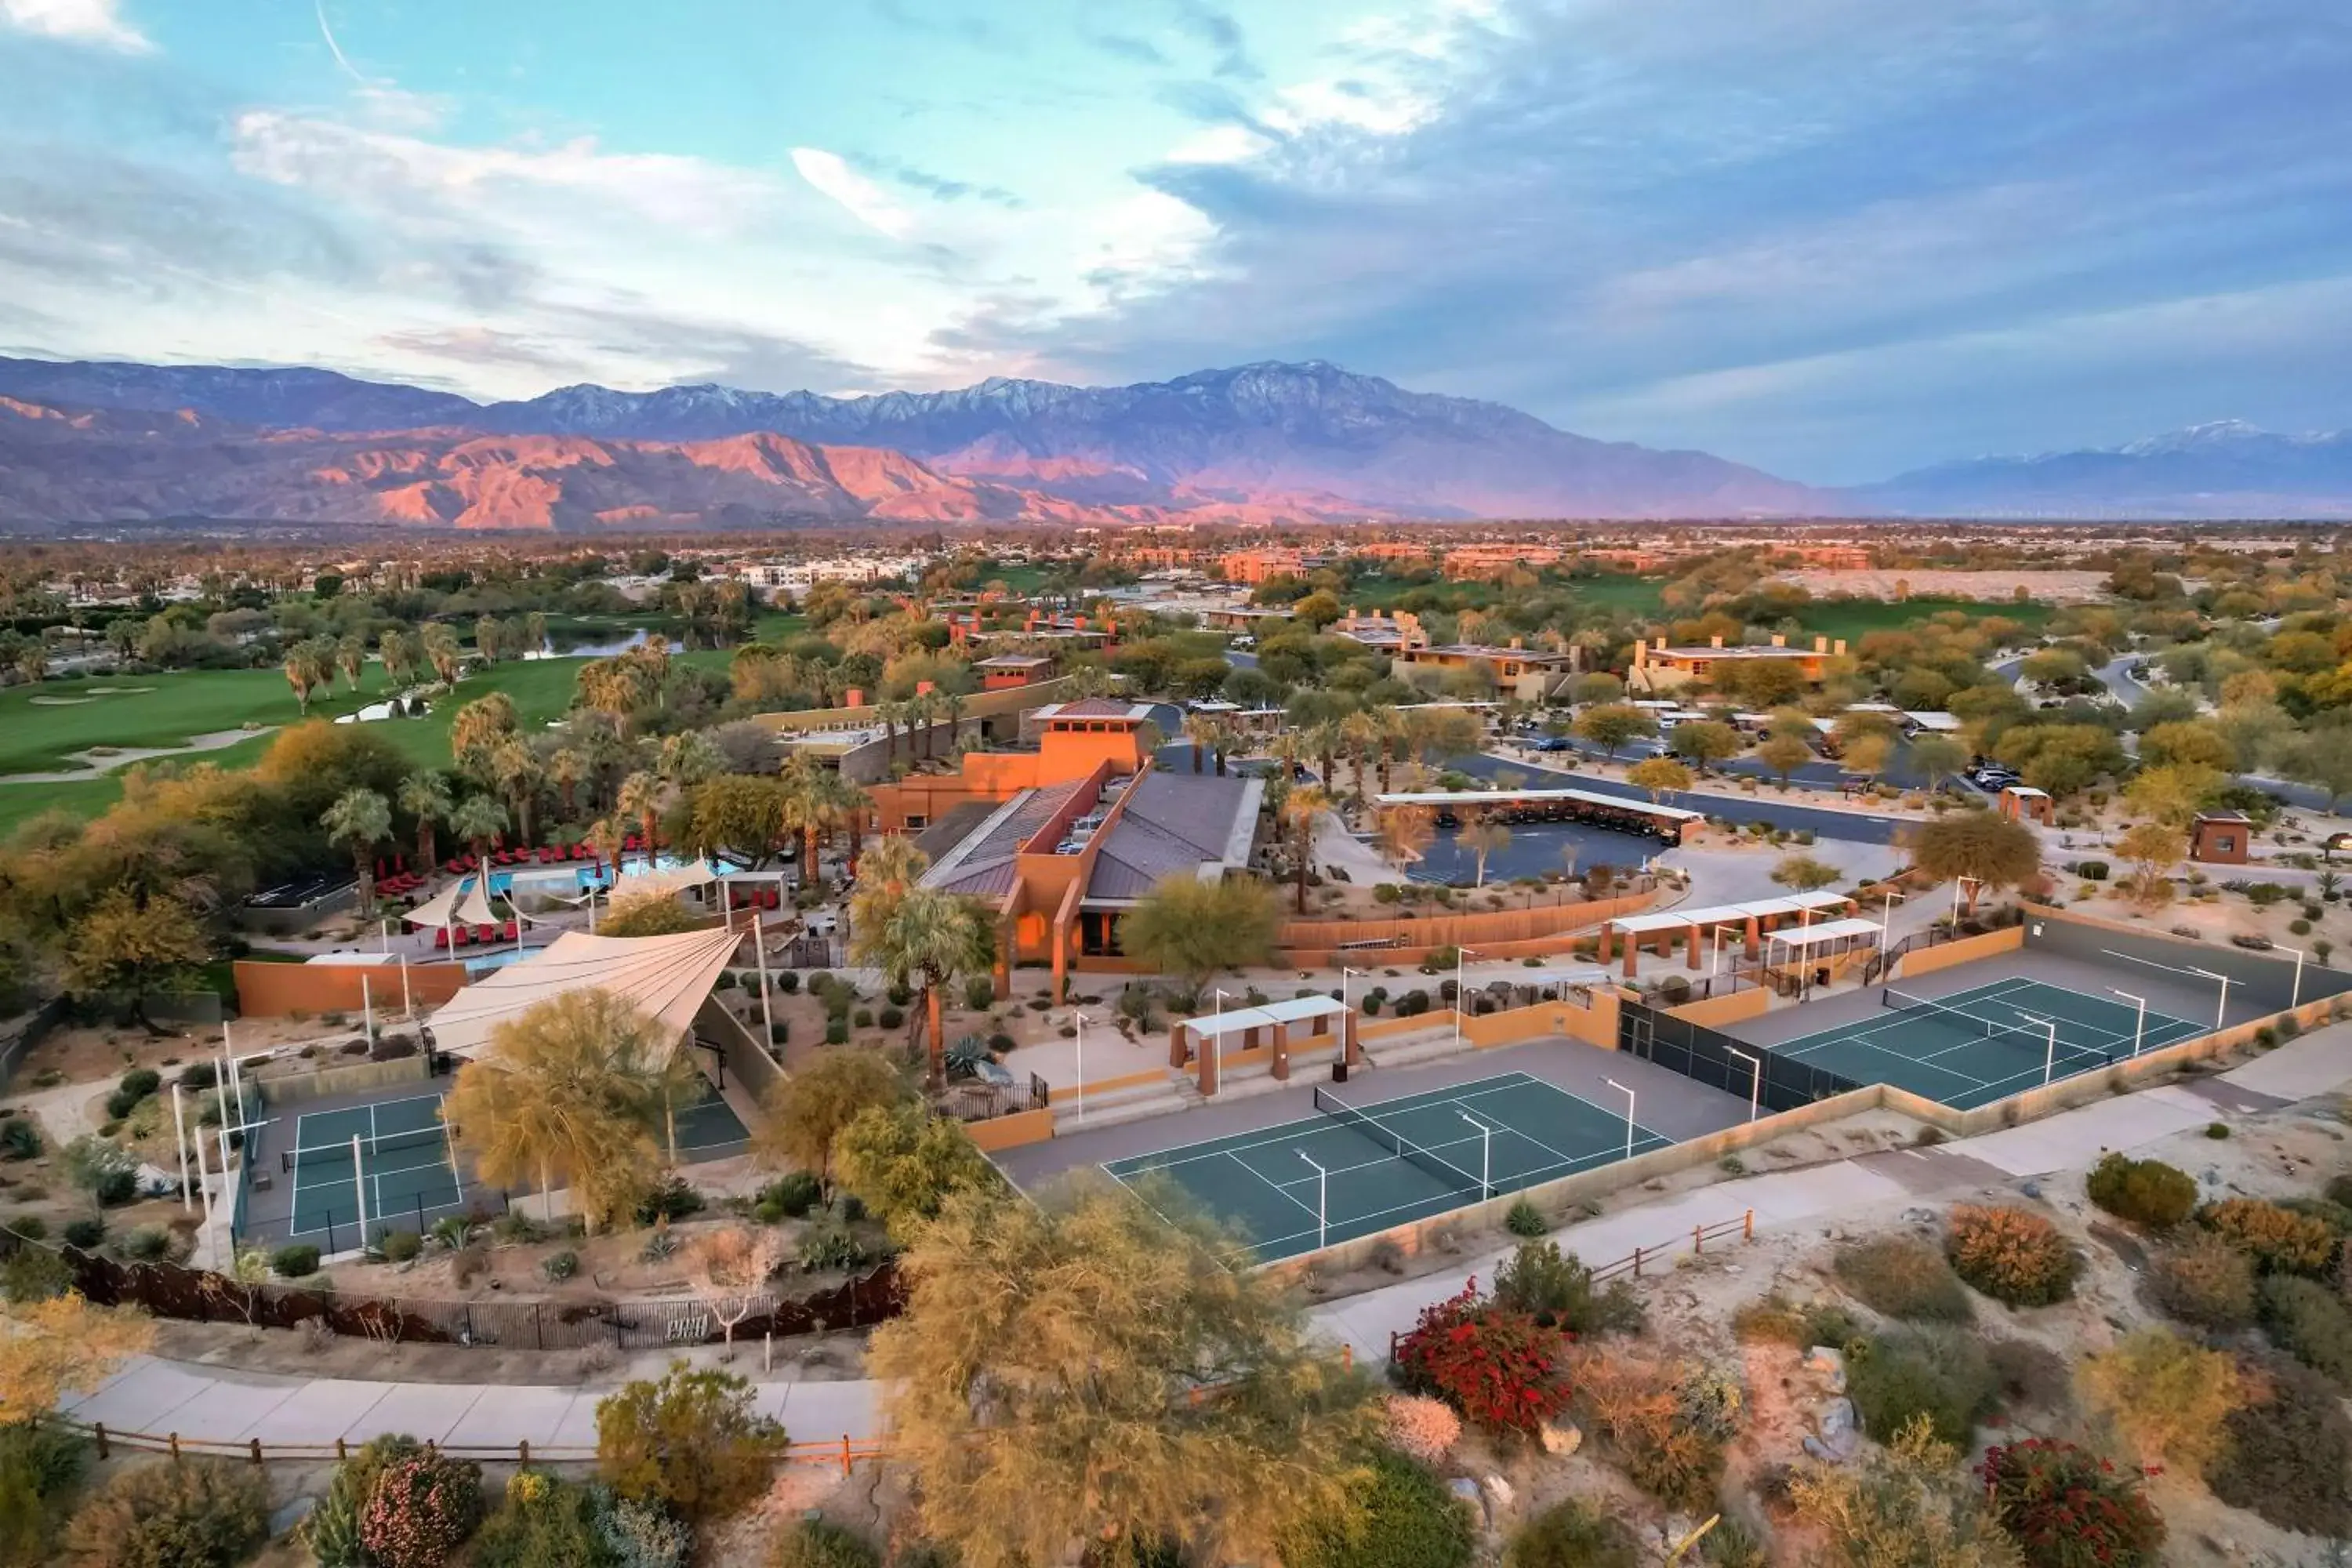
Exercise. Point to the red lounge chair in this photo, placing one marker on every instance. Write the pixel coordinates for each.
(441, 938)
(460, 936)
(510, 932)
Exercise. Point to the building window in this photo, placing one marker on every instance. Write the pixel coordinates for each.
(2225, 844)
(915, 819)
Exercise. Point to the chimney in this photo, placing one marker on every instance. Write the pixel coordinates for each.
(1031, 624)
(1779, 639)
(1518, 642)
(1715, 641)
(854, 697)
(1821, 645)
(1641, 652)
(1840, 649)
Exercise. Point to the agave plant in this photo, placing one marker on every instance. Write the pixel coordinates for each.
(965, 1056)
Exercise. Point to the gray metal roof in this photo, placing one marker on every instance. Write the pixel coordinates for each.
(1175, 823)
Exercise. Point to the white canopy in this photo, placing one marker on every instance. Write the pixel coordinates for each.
(665, 977)
(1239, 1020)
(1829, 930)
(463, 904)
(1759, 909)
(666, 881)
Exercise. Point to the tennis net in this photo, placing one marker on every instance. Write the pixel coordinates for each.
(382, 1143)
(2073, 1058)
(1380, 1132)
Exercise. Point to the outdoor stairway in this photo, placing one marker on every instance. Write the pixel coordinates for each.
(1133, 1103)
(1422, 1046)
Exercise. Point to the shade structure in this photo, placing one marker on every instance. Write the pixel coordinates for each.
(1239, 1020)
(667, 978)
(667, 881)
(1827, 932)
(463, 904)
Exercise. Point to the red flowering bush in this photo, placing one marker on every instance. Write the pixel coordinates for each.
(2067, 1508)
(422, 1510)
(1498, 1367)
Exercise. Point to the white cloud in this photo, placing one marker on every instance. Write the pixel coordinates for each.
(78, 21)
(831, 175)
(325, 154)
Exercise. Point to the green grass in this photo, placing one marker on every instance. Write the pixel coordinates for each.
(1853, 619)
(1615, 590)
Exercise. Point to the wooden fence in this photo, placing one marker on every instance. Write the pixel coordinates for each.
(843, 1453)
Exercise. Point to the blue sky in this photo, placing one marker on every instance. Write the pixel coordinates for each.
(1835, 238)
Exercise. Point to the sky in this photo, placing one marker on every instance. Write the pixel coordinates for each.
(1833, 239)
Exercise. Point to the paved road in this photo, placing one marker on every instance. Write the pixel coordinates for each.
(1856, 825)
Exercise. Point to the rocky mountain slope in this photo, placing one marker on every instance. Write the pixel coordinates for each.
(2228, 470)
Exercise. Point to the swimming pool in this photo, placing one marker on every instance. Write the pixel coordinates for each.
(572, 878)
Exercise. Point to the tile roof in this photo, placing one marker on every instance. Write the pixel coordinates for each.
(984, 862)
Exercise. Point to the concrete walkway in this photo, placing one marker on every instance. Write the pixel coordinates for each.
(150, 1395)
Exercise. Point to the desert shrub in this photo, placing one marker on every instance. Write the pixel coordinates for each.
(795, 1193)
(2339, 1191)
(1731, 1544)
(1556, 1289)
(146, 1243)
(19, 1139)
(1572, 1534)
(2012, 1254)
(35, 1274)
(1935, 1373)
(543, 1522)
(1422, 1429)
(691, 1443)
(1408, 1520)
(2277, 1240)
(817, 1543)
(421, 1509)
(2311, 1323)
(2165, 1396)
(84, 1233)
(331, 1530)
(1524, 1218)
(400, 1246)
(2028, 1373)
(979, 992)
(1775, 1320)
(639, 1536)
(1494, 1364)
(1668, 1426)
(1903, 1277)
(40, 1469)
(830, 1244)
(295, 1262)
(890, 1018)
(1911, 1504)
(2204, 1281)
(189, 1514)
(2145, 1192)
(836, 1030)
(2067, 1508)
(560, 1266)
(674, 1199)
(2284, 1454)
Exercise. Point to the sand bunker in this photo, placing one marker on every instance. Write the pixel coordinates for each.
(59, 702)
(115, 690)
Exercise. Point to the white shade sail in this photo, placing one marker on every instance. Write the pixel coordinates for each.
(666, 978)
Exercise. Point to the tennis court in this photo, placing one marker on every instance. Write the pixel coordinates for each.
(405, 1170)
(1352, 1169)
(1976, 1046)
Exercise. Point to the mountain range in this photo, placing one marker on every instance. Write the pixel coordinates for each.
(102, 441)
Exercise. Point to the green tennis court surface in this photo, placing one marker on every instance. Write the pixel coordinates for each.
(403, 1155)
(1390, 1163)
(1976, 1046)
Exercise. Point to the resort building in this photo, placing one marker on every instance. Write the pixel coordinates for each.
(1657, 666)
(1531, 675)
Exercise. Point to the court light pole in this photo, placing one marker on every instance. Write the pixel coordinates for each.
(1460, 953)
(1217, 1045)
(1080, 1019)
(2050, 1055)
(1486, 1153)
(1628, 1113)
(2221, 1011)
(1346, 974)
(2295, 998)
(1322, 1197)
(2139, 1023)
(1755, 1077)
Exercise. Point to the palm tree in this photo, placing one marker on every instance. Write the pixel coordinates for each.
(565, 769)
(893, 865)
(360, 820)
(1300, 808)
(476, 820)
(350, 656)
(425, 796)
(519, 776)
(304, 672)
(534, 631)
(640, 801)
(929, 937)
(398, 655)
(489, 638)
(441, 652)
(1361, 733)
(604, 836)
(610, 687)
(570, 1087)
(1201, 728)
(1483, 835)
(1406, 831)
(688, 759)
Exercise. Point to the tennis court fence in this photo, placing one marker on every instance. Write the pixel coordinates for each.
(1716, 1059)
(195, 1295)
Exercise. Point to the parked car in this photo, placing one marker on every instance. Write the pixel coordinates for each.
(1555, 743)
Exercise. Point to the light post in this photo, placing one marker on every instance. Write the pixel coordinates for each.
(1080, 1019)
(2050, 1054)
(1628, 1113)
(2139, 1023)
(1217, 1045)
(2221, 1011)
(1460, 953)
(1486, 1153)
(2295, 999)
(1755, 1077)
(1322, 1195)
(1346, 974)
